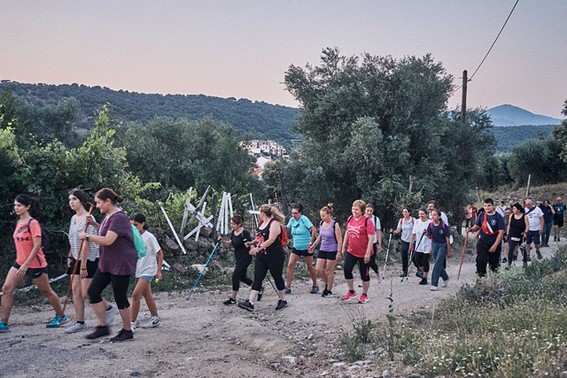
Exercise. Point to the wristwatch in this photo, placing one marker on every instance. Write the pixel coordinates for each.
(87, 237)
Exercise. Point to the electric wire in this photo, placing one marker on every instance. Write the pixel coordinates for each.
(491, 46)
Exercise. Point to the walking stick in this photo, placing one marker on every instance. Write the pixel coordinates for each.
(203, 271)
(386, 258)
(463, 256)
(69, 288)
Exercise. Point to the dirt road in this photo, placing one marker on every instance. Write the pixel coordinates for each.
(204, 338)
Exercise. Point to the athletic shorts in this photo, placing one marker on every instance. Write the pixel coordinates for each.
(32, 273)
(147, 278)
(533, 236)
(301, 253)
(558, 221)
(92, 266)
(324, 255)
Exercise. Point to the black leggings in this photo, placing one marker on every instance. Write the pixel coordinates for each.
(405, 256)
(273, 262)
(421, 260)
(239, 274)
(373, 264)
(350, 262)
(119, 287)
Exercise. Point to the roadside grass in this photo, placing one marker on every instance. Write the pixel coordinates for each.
(510, 324)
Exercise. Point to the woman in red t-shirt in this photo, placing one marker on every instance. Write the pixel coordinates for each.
(358, 245)
(30, 261)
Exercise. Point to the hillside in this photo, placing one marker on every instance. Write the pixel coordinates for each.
(262, 120)
(510, 115)
(509, 136)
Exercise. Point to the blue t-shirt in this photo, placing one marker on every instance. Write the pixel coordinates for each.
(439, 233)
(495, 222)
(300, 232)
(547, 215)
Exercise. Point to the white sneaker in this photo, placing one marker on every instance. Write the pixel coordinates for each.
(434, 288)
(133, 326)
(446, 282)
(77, 327)
(152, 322)
(110, 314)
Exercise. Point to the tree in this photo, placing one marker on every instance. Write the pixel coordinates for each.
(180, 153)
(560, 134)
(371, 123)
(540, 159)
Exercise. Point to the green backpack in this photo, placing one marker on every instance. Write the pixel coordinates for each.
(139, 242)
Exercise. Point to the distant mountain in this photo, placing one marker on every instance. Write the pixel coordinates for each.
(260, 119)
(507, 137)
(510, 115)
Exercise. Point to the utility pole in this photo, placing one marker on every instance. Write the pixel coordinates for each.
(464, 99)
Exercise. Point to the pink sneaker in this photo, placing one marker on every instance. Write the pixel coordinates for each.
(348, 296)
(363, 299)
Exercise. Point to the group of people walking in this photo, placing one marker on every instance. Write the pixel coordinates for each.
(100, 254)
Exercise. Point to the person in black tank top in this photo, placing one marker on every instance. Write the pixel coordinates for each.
(270, 256)
(239, 240)
(518, 227)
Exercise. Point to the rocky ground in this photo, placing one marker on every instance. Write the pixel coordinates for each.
(203, 338)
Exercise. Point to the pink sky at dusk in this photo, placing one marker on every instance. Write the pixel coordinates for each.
(243, 48)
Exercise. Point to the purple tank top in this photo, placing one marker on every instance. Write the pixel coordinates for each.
(328, 239)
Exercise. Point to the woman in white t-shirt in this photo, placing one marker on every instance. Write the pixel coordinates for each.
(147, 268)
(421, 245)
(405, 227)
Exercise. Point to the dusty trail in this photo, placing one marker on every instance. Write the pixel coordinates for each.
(204, 338)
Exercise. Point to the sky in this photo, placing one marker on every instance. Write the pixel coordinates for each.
(242, 49)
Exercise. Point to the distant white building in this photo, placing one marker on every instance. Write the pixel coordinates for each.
(258, 147)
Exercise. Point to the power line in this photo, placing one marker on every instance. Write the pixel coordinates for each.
(496, 39)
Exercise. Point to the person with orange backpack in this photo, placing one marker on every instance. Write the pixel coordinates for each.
(405, 228)
(488, 248)
(270, 256)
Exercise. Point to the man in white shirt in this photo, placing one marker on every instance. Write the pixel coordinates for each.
(535, 219)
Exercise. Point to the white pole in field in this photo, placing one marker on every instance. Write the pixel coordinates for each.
(173, 230)
(202, 213)
(226, 220)
(230, 204)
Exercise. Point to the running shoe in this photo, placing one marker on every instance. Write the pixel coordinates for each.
(528, 259)
(260, 294)
(434, 288)
(281, 304)
(314, 289)
(4, 327)
(446, 282)
(419, 274)
(57, 321)
(110, 314)
(229, 302)
(77, 327)
(123, 335)
(539, 256)
(287, 290)
(152, 322)
(403, 274)
(328, 294)
(349, 296)
(423, 281)
(99, 331)
(247, 305)
(363, 299)
(133, 326)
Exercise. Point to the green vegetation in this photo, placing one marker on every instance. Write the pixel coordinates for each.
(507, 137)
(263, 120)
(510, 324)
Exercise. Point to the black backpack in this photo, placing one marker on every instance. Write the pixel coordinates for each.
(45, 244)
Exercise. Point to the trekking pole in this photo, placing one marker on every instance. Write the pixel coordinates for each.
(411, 255)
(203, 271)
(409, 267)
(386, 258)
(69, 288)
(271, 283)
(463, 255)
